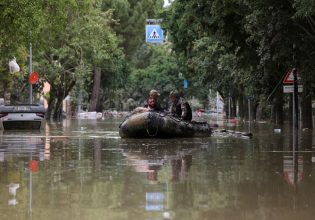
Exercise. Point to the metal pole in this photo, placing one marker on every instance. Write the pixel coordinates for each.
(249, 118)
(249, 115)
(30, 70)
(293, 112)
(229, 108)
(217, 105)
(295, 101)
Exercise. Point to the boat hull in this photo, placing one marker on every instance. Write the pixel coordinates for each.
(159, 125)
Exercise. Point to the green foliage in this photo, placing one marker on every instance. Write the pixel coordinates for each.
(234, 46)
(160, 73)
(131, 17)
(214, 48)
(304, 8)
(19, 22)
(76, 38)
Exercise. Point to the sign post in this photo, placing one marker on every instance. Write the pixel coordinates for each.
(153, 31)
(295, 100)
(290, 85)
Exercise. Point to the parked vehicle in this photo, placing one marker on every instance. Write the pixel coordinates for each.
(23, 116)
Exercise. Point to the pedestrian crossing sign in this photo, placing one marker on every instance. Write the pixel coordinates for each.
(154, 34)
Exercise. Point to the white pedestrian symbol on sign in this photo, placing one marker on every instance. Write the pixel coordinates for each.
(154, 34)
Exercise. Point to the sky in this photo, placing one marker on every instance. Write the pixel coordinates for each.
(166, 3)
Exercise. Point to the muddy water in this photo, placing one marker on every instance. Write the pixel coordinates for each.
(83, 170)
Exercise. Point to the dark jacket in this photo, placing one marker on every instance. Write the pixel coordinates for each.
(181, 109)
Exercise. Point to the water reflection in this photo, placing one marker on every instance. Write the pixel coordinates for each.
(20, 153)
(84, 171)
(12, 191)
(165, 166)
(150, 158)
(23, 145)
(297, 155)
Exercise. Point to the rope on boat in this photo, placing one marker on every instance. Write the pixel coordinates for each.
(157, 127)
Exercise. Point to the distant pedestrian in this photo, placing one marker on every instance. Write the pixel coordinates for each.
(180, 108)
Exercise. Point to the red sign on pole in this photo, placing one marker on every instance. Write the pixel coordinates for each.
(33, 78)
(33, 165)
(289, 77)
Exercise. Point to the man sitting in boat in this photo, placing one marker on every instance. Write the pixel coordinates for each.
(152, 103)
(180, 108)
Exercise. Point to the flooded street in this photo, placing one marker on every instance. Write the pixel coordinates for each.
(84, 170)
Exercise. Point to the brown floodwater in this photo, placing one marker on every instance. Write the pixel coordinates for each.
(84, 170)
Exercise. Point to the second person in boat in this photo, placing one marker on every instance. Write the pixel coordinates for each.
(180, 108)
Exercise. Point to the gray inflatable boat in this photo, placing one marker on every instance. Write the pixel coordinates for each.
(161, 125)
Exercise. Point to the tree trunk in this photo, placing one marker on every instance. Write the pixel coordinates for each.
(58, 109)
(233, 106)
(278, 110)
(96, 89)
(50, 108)
(306, 110)
(255, 106)
(242, 109)
(259, 111)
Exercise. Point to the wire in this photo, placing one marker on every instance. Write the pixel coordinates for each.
(277, 86)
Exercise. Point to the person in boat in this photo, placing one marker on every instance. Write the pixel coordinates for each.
(180, 108)
(152, 103)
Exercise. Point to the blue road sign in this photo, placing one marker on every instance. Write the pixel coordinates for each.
(185, 83)
(153, 34)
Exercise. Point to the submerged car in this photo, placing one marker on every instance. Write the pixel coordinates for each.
(22, 116)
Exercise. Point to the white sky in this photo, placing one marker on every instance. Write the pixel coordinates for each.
(166, 3)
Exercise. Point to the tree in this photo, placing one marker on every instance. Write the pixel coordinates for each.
(19, 25)
(243, 47)
(131, 16)
(160, 73)
(217, 55)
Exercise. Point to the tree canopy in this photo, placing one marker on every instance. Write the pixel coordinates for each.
(95, 50)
